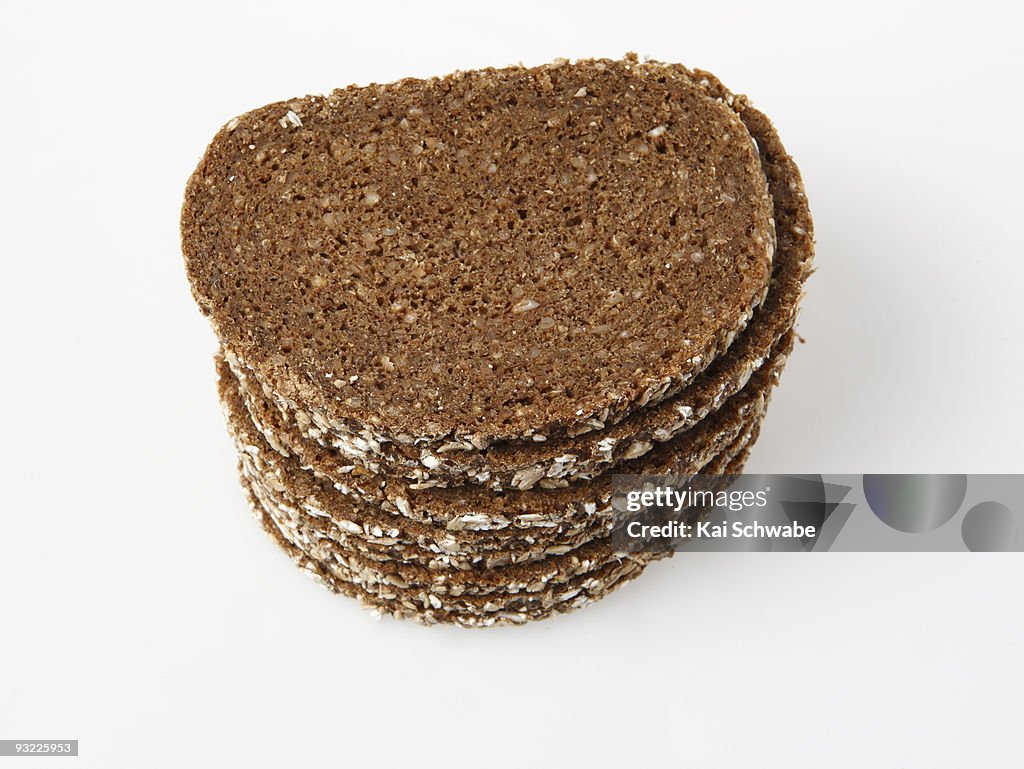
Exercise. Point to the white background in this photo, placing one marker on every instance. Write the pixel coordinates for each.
(143, 612)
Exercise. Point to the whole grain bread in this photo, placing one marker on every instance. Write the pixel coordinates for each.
(448, 309)
(520, 464)
(478, 257)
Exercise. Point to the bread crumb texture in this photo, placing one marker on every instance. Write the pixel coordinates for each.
(492, 254)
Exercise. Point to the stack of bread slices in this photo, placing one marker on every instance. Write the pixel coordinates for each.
(450, 309)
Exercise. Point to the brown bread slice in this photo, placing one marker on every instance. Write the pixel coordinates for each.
(520, 464)
(478, 257)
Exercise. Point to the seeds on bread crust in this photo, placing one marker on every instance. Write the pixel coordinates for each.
(309, 465)
(463, 531)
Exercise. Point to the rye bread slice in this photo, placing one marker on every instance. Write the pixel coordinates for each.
(519, 464)
(478, 257)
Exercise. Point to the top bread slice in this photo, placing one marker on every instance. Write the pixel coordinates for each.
(492, 255)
